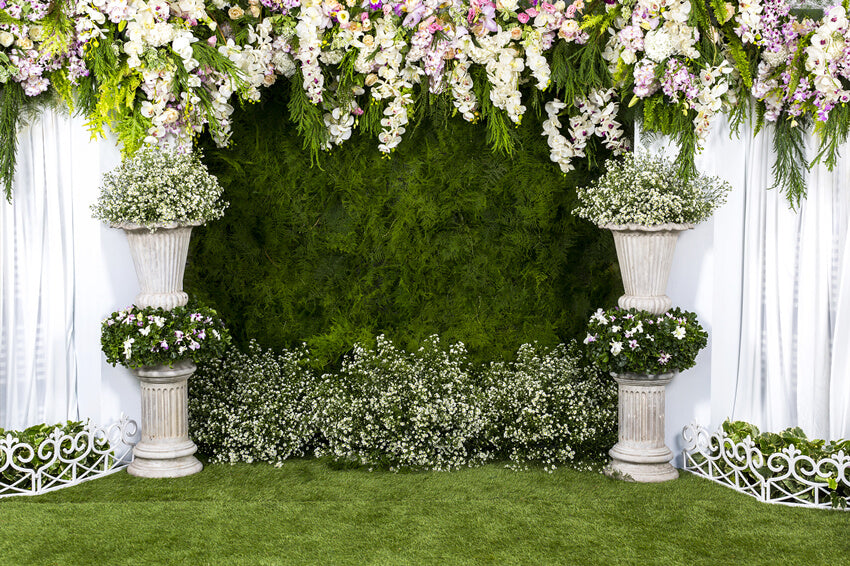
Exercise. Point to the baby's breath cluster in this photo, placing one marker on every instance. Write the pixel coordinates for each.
(157, 186)
(546, 408)
(416, 410)
(648, 190)
(429, 410)
(253, 406)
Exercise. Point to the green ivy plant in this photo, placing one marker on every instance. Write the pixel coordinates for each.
(634, 341)
(152, 336)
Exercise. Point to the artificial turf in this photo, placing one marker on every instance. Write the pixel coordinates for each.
(309, 513)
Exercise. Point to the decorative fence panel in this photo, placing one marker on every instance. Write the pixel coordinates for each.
(787, 477)
(63, 459)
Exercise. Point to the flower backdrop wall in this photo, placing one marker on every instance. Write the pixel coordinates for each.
(159, 72)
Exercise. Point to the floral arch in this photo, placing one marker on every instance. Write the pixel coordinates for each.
(160, 72)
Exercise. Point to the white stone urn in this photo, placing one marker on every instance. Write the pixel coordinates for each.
(165, 449)
(160, 260)
(645, 255)
(640, 453)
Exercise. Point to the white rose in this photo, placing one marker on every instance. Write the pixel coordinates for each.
(6, 39)
(170, 116)
(36, 33)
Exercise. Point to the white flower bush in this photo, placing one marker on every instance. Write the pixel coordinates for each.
(414, 411)
(649, 190)
(546, 408)
(157, 186)
(425, 410)
(253, 406)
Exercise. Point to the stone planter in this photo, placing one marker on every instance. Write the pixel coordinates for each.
(160, 261)
(645, 255)
(640, 454)
(165, 449)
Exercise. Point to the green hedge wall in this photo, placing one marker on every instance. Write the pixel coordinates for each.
(444, 237)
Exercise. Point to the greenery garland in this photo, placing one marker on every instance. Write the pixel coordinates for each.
(158, 73)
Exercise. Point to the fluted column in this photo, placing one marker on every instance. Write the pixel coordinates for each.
(165, 450)
(160, 261)
(645, 255)
(641, 453)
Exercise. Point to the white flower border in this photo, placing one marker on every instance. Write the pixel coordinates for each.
(70, 451)
(733, 465)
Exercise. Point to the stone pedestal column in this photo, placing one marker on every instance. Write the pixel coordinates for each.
(645, 255)
(641, 453)
(165, 450)
(160, 261)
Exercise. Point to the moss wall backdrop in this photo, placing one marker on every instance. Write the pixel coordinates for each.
(445, 237)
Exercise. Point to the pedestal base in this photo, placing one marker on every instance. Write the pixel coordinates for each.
(643, 473)
(173, 468)
(641, 455)
(165, 451)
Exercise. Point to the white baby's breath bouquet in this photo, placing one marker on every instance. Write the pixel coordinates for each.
(157, 186)
(648, 190)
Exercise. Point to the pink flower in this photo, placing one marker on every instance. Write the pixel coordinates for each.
(633, 344)
(522, 17)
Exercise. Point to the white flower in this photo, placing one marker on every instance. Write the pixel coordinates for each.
(658, 45)
(145, 331)
(679, 333)
(128, 347)
(599, 316)
(6, 38)
(616, 347)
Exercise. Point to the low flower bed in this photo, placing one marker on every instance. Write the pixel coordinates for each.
(429, 409)
(785, 467)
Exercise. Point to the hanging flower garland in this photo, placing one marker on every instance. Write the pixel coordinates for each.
(159, 72)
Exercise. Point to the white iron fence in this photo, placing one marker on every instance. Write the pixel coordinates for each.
(787, 477)
(64, 459)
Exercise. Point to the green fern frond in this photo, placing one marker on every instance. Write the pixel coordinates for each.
(12, 99)
(307, 118)
(790, 165)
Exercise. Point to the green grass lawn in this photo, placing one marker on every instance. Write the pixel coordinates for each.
(306, 512)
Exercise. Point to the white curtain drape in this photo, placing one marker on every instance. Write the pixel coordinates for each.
(793, 364)
(38, 369)
(772, 287)
(61, 272)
